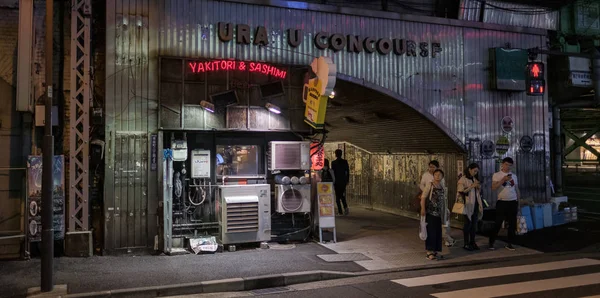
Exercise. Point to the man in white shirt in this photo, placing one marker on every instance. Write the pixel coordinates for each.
(426, 179)
(507, 205)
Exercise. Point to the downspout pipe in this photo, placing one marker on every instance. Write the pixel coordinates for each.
(558, 152)
(596, 77)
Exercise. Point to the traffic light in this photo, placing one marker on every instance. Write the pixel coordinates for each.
(536, 85)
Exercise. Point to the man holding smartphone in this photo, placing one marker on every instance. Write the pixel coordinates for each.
(507, 205)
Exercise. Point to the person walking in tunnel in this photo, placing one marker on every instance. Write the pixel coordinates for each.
(507, 205)
(426, 179)
(433, 207)
(341, 171)
(469, 189)
(327, 174)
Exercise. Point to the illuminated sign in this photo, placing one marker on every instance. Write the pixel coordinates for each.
(333, 41)
(317, 156)
(535, 79)
(232, 65)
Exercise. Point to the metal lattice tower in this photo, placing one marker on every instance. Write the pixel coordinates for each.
(79, 120)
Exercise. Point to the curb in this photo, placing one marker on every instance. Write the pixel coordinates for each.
(223, 285)
(278, 280)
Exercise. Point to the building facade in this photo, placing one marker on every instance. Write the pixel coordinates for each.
(164, 57)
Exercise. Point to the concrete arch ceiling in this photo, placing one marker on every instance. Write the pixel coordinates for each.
(379, 122)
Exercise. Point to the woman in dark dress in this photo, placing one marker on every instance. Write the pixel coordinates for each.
(433, 203)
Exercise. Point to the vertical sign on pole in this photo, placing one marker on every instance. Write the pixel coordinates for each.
(326, 209)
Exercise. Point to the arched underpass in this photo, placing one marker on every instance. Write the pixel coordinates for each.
(388, 145)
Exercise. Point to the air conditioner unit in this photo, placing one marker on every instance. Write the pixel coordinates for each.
(288, 156)
(244, 213)
(293, 198)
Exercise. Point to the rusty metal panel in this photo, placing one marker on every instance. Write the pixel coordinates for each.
(129, 216)
(485, 109)
(503, 13)
(131, 109)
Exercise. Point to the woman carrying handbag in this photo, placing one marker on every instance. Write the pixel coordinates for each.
(433, 208)
(469, 204)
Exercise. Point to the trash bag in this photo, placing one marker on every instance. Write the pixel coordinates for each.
(423, 229)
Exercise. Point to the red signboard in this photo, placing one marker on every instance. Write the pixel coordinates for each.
(224, 65)
(317, 156)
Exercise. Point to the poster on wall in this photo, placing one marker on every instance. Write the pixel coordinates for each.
(326, 208)
(34, 197)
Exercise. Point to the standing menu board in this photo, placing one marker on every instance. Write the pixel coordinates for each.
(325, 196)
(34, 197)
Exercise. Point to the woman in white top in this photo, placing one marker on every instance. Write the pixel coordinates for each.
(470, 189)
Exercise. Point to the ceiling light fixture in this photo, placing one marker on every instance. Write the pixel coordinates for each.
(207, 106)
(273, 108)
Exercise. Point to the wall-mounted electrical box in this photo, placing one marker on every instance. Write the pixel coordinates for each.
(40, 115)
(180, 151)
(200, 163)
(507, 69)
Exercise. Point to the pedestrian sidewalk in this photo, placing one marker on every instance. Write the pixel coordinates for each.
(367, 240)
(378, 241)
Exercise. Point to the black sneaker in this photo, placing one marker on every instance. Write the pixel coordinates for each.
(467, 248)
(491, 246)
(474, 246)
(347, 211)
(509, 247)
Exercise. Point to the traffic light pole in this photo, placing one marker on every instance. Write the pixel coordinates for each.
(47, 277)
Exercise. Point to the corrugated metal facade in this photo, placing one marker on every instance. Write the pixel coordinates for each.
(131, 114)
(451, 90)
(496, 12)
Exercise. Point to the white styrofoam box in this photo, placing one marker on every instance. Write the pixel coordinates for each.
(568, 217)
(556, 202)
(547, 215)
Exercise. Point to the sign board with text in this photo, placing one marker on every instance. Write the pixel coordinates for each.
(326, 199)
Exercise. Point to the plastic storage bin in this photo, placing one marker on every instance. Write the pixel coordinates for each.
(538, 216)
(558, 218)
(547, 209)
(526, 212)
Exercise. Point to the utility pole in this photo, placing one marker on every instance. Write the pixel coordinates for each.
(48, 165)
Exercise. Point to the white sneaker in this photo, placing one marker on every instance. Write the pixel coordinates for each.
(450, 242)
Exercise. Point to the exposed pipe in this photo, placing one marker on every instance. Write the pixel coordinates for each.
(558, 149)
(576, 104)
(596, 78)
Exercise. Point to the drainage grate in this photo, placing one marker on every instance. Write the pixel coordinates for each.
(348, 257)
(270, 291)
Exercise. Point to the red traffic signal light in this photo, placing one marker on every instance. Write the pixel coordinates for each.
(535, 82)
(535, 70)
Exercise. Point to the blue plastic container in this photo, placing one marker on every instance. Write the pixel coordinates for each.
(558, 218)
(526, 212)
(538, 216)
(547, 215)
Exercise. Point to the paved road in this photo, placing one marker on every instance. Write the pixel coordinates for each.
(110, 273)
(547, 276)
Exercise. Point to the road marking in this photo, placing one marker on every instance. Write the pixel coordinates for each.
(524, 287)
(493, 272)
